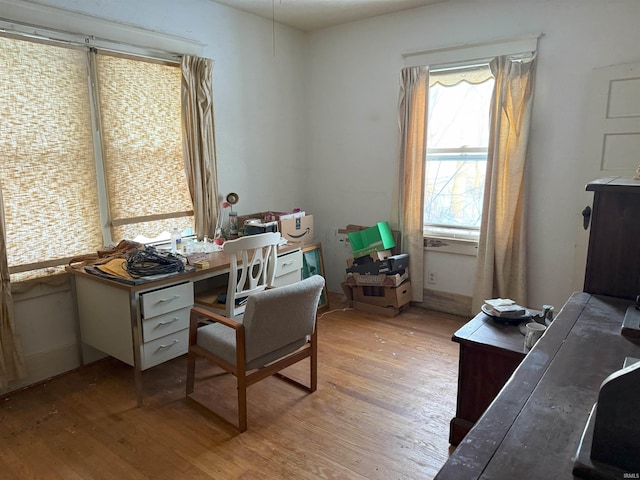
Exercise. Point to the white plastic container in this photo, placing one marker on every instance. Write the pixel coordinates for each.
(176, 241)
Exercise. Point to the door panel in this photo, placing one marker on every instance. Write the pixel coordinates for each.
(612, 141)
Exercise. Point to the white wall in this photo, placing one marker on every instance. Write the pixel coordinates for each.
(353, 75)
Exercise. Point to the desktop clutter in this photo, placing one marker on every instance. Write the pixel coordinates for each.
(134, 262)
(377, 277)
(131, 262)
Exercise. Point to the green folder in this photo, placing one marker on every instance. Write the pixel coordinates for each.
(371, 240)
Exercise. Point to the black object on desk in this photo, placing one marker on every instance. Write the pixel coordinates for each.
(610, 443)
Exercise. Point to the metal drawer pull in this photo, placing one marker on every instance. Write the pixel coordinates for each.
(162, 347)
(286, 264)
(162, 324)
(162, 300)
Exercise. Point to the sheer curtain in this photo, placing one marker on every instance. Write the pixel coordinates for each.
(199, 142)
(412, 113)
(502, 252)
(11, 357)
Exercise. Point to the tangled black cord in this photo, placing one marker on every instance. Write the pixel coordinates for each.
(148, 262)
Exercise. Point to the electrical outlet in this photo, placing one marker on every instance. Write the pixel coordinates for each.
(432, 278)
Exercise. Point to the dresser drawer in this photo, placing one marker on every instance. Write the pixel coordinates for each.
(165, 348)
(166, 300)
(289, 262)
(165, 324)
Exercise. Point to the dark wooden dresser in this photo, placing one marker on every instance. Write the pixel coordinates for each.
(613, 258)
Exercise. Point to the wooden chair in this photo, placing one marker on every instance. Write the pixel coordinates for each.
(252, 269)
(276, 331)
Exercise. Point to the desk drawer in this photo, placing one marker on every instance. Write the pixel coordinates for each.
(165, 348)
(165, 324)
(289, 262)
(166, 300)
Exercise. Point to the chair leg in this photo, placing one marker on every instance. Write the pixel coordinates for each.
(242, 403)
(313, 362)
(191, 368)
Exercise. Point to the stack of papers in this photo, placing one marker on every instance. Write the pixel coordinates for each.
(504, 307)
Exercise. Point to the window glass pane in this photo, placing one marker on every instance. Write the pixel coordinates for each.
(47, 166)
(457, 140)
(459, 115)
(454, 192)
(142, 143)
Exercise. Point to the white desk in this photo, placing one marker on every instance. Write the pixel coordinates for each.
(146, 324)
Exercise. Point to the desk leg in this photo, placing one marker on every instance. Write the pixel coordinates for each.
(74, 293)
(136, 332)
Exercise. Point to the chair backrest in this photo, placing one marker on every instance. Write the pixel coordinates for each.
(277, 321)
(252, 268)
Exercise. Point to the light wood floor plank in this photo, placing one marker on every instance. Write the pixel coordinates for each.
(386, 393)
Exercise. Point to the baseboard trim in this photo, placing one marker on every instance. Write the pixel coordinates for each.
(46, 365)
(446, 302)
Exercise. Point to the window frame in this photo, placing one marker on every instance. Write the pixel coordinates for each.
(453, 56)
(144, 50)
(466, 233)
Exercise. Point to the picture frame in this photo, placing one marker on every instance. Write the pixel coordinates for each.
(313, 264)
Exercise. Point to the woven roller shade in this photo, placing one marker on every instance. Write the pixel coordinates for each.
(140, 113)
(47, 166)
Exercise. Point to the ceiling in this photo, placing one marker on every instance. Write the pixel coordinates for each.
(309, 15)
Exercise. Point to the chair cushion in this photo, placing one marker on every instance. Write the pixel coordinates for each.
(221, 340)
(277, 322)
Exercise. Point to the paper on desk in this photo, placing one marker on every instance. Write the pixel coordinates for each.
(500, 302)
(115, 267)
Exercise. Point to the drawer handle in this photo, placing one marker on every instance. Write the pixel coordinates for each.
(162, 324)
(286, 264)
(163, 300)
(163, 347)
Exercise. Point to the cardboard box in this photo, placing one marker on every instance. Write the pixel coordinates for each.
(294, 227)
(372, 239)
(393, 264)
(378, 310)
(377, 280)
(383, 296)
(298, 229)
(284, 215)
(380, 255)
(368, 307)
(348, 292)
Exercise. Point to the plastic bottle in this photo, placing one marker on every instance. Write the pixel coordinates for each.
(176, 241)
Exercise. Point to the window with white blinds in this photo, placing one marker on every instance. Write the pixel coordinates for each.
(69, 190)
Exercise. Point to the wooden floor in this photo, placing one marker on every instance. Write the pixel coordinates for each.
(386, 393)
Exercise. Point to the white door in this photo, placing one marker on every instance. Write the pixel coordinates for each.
(612, 140)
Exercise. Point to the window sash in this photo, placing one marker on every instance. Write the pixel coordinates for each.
(444, 186)
(455, 162)
(47, 167)
(141, 147)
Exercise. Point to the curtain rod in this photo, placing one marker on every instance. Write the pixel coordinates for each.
(472, 45)
(30, 32)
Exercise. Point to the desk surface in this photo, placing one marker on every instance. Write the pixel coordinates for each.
(218, 263)
(534, 426)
